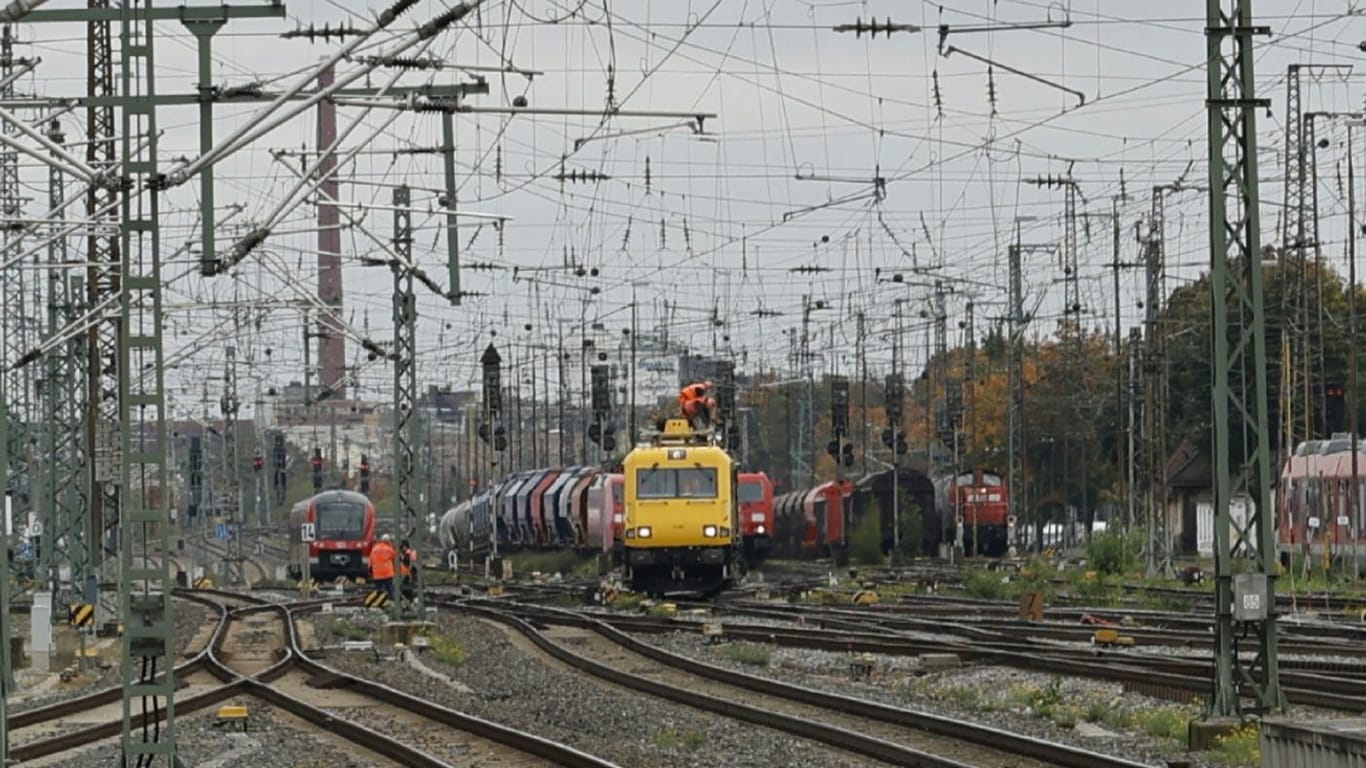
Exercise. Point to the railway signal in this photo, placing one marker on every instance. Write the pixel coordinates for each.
(602, 432)
(317, 469)
(281, 479)
(896, 440)
(1335, 409)
(364, 474)
(196, 476)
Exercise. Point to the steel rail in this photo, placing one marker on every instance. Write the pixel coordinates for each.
(1061, 755)
(834, 736)
(1188, 678)
(259, 686)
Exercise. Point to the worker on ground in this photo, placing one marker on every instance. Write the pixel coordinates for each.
(382, 557)
(696, 406)
(407, 570)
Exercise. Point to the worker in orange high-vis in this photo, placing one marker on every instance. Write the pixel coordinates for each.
(407, 570)
(695, 406)
(382, 559)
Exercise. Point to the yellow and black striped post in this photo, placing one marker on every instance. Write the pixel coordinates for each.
(82, 615)
(376, 599)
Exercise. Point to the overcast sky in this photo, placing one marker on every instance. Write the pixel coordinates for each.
(782, 178)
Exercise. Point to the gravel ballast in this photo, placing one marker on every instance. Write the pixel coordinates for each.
(504, 679)
(1095, 715)
(272, 739)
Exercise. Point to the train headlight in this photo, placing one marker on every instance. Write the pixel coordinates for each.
(643, 532)
(709, 531)
(759, 530)
(725, 531)
(630, 533)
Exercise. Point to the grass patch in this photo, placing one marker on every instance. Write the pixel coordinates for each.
(341, 630)
(689, 740)
(447, 651)
(1160, 602)
(1241, 746)
(1108, 712)
(746, 653)
(1039, 699)
(1165, 722)
(865, 541)
(626, 602)
(567, 562)
(965, 697)
(1101, 591)
(824, 597)
(988, 585)
(1114, 552)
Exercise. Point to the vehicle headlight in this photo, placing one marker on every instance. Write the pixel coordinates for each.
(709, 531)
(759, 530)
(643, 532)
(725, 531)
(630, 533)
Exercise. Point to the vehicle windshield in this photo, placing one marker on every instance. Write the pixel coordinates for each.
(696, 483)
(340, 520)
(751, 490)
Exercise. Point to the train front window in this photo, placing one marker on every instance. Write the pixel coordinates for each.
(340, 520)
(655, 484)
(751, 492)
(697, 483)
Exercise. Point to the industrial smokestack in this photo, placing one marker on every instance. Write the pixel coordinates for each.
(331, 343)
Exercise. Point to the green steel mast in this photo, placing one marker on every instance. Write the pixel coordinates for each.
(1244, 551)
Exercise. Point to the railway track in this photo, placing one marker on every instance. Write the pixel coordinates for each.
(254, 651)
(262, 572)
(1177, 678)
(889, 734)
(1147, 630)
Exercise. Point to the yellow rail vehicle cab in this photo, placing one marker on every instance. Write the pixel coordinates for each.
(681, 514)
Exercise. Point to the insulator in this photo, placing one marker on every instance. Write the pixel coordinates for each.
(410, 62)
(991, 89)
(938, 99)
(391, 13)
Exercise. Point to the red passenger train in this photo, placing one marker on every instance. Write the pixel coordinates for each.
(1314, 497)
(343, 529)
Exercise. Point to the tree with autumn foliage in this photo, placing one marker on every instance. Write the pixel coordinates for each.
(1076, 398)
